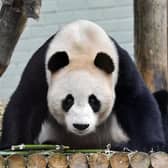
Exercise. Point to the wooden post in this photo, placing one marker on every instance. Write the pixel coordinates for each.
(151, 42)
(13, 16)
(11, 26)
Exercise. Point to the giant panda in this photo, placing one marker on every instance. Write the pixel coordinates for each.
(82, 89)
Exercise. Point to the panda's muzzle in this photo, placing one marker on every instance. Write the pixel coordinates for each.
(81, 127)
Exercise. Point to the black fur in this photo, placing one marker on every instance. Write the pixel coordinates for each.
(162, 99)
(94, 103)
(135, 107)
(27, 108)
(104, 62)
(68, 102)
(58, 61)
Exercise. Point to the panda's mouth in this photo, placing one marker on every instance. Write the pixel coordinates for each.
(81, 133)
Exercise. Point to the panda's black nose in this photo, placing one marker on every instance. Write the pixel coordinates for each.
(81, 126)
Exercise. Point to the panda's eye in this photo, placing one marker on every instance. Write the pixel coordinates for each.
(67, 102)
(94, 103)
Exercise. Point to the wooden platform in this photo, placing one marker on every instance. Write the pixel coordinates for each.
(79, 160)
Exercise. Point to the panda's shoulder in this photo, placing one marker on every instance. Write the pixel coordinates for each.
(128, 75)
(130, 85)
(33, 76)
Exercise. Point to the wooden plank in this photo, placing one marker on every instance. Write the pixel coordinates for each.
(57, 161)
(2, 162)
(36, 161)
(159, 160)
(119, 160)
(98, 160)
(78, 160)
(16, 161)
(139, 160)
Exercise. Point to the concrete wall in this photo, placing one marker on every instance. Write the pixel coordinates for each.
(116, 17)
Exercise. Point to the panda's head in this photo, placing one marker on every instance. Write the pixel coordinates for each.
(81, 69)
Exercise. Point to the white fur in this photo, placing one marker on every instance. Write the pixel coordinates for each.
(82, 40)
(47, 133)
(81, 114)
(117, 133)
(80, 84)
(54, 134)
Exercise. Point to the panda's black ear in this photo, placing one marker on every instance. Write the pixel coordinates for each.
(58, 61)
(104, 62)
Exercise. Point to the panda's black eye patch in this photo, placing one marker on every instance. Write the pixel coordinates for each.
(94, 103)
(67, 102)
(58, 61)
(104, 62)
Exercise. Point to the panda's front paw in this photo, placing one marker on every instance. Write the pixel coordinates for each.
(157, 148)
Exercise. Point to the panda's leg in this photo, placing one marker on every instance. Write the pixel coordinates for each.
(14, 126)
(21, 124)
(141, 120)
(137, 109)
(161, 97)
